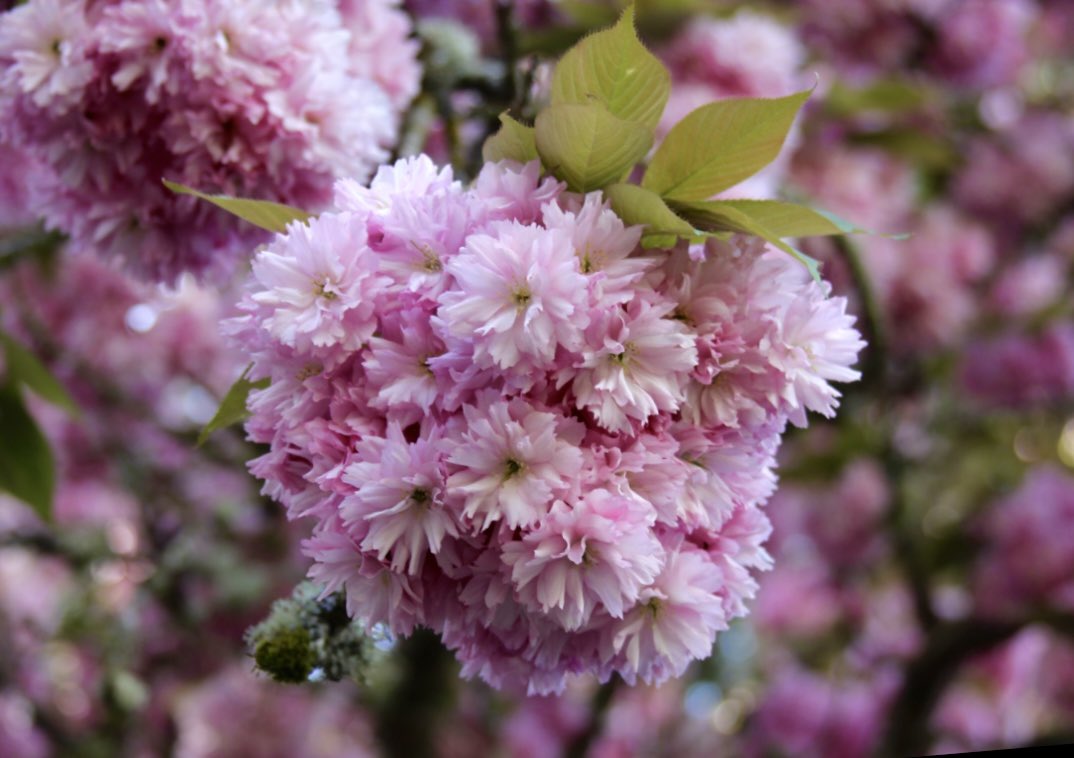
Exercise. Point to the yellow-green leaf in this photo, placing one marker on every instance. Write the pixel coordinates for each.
(232, 408)
(513, 141)
(27, 470)
(613, 67)
(790, 219)
(636, 205)
(717, 216)
(24, 368)
(270, 216)
(588, 147)
(719, 145)
(658, 241)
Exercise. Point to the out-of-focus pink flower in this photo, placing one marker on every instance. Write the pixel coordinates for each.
(926, 283)
(1037, 151)
(236, 713)
(864, 184)
(1029, 285)
(1028, 560)
(15, 206)
(806, 714)
(1008, 695)
(798, 598)
(840, 521)
(111, 98)
(983, 43)
(18, 735)
(1020, 370)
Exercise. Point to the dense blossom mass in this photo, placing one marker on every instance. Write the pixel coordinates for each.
(515, 426)
(271, 100)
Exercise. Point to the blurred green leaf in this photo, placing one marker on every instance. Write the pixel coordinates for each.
(513, 141)
(23, 367)
(588, 147)
(718, 216)
(887, 95)
(27, 470)
(917, 147)
(270, 216)
(589, 13)
(551, 41)
(232, 408)
(23, 244)
(613, 67)
(719, 145)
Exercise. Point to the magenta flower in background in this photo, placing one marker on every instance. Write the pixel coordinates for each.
(1028, 560)
(265, 101)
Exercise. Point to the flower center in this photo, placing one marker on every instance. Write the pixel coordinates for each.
(680, 314)
(513, 468)
(310, 369)
(623, 358)
(420, 496)
(324, 290)
(429, 260)
(521, 297)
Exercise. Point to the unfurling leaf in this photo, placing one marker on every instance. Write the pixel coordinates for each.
(513, 141)
(587, 146)
(270, 216)
(27, 470)
(232, 408)
(24, 368)
(718, 216)
(635, 205)
(612, 67)
(719, 145)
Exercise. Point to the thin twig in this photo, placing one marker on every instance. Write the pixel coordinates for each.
(873, 324)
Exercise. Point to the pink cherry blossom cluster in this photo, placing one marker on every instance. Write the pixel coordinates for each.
(515, 426)
(271, 100)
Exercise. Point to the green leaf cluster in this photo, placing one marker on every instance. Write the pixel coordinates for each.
(608, 94)
(27, 468)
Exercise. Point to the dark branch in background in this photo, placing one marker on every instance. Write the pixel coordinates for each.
(877, 373)
(411, 715)
(506, 36)
(598, 710)
(906, 549)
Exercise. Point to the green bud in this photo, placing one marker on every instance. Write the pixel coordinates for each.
(285, 654)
